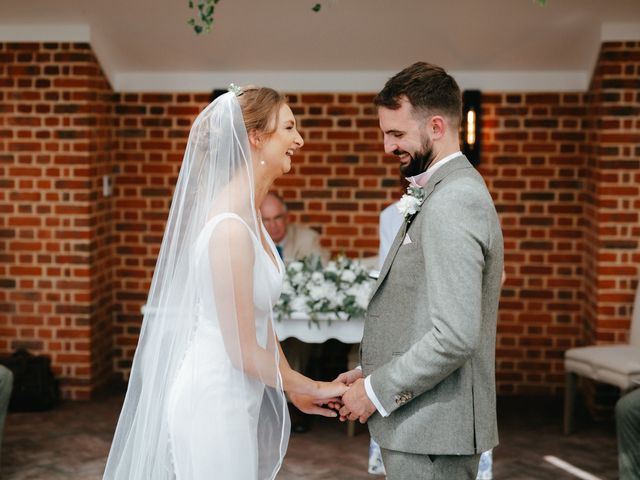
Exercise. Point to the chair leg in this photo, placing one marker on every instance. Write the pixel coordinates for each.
(351, 428)
(569, 401)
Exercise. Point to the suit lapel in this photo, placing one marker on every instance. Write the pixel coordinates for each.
(395, 246)
(451, 166)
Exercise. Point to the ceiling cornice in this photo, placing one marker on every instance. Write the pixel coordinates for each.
(306, 81)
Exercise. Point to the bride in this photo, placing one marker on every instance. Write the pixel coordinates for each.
(205, 398)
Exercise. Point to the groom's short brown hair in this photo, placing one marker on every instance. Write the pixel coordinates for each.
(429, 89)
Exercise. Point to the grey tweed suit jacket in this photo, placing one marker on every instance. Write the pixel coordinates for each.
(430, 327)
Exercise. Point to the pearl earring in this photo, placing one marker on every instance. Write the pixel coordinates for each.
(261, 162)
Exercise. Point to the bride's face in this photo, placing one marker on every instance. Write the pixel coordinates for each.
(282, 144)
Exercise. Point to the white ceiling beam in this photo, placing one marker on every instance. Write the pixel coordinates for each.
(620, 32)
(45, 33)
(345, 81)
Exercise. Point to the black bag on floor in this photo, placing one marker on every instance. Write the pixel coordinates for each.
(34, 386)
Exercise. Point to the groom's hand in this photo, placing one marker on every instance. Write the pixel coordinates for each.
(349, 377)
(357, 405)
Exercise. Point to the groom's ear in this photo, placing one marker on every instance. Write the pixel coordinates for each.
(437, 127)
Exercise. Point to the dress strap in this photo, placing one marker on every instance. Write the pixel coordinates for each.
(215, 220)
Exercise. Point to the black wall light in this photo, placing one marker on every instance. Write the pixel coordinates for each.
(216, 92)
(471, 125)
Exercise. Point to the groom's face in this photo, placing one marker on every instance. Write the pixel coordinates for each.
(406, 136)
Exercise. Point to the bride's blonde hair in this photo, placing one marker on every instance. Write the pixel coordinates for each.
(260, 108)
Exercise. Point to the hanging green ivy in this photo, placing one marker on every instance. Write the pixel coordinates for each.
(204, 10)
(203, 19)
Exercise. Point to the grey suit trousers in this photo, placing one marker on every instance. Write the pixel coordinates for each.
(410, 466)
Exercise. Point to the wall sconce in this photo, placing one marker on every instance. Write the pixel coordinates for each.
(216, 92)
(472, 125)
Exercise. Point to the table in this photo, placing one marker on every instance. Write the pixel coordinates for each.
(298, 325)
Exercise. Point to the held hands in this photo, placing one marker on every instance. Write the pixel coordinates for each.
(349, 377)
(355, 403)
(345, 396)
(323, 394)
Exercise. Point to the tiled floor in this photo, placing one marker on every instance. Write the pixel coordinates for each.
(71, 443)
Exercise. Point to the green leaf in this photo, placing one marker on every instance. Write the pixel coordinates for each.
(316, 7)
(198, 29)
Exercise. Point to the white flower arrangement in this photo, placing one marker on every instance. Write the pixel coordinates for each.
(339, 291)
(411, 201)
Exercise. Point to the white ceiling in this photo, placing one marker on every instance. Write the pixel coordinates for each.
(146, 45)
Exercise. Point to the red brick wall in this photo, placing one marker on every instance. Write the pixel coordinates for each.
(341, 180)
(83, 263)
(151, 133)
(54, 143)
(534, 169)
(614, 193)
(612, 203)
(101, 258)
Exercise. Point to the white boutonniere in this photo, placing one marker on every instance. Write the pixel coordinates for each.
(411, 201)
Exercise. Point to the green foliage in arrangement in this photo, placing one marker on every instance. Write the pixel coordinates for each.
(338, 291)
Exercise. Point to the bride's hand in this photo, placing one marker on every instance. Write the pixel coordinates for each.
(316, 406)
(328, 391)
(323, 395)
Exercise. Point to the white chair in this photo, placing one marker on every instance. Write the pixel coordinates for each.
(617, 365)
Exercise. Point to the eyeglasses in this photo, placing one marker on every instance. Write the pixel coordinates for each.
(278, 218)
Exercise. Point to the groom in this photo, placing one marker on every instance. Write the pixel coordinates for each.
(427, 384)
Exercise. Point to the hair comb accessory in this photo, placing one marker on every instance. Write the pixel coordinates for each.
(237, 91)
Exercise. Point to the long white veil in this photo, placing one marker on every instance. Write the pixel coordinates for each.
(213, 208)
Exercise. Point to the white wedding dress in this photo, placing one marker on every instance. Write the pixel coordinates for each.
(205, 398)
(213, 407)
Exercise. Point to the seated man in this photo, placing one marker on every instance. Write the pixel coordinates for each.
(292, 241)
(6, 385)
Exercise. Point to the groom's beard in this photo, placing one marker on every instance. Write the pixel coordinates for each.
(420, 161)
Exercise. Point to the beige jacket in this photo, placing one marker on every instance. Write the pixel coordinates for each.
(302, 241)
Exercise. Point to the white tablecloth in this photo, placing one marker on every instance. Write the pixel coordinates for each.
(300, 327)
